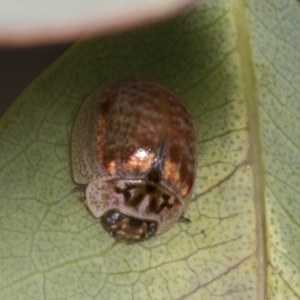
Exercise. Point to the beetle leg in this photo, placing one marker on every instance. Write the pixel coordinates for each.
(184, 219)
(78, 188)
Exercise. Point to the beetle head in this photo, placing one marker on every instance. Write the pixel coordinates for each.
(127, 229)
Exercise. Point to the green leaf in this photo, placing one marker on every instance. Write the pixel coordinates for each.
(236, 65)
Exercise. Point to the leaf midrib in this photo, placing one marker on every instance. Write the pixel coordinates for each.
(254, 156)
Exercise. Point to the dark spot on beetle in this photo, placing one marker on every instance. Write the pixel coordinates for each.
(105, 107)
(157, 207)
(118, 190)
(127, 195)
(163, 205)
(150, 189)
(134, 201)
(154, 175)
(153, 204)
(166, 197)
(135, 222)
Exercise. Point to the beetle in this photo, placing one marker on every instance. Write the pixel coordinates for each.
(134, 150)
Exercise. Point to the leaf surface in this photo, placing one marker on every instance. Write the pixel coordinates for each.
(236, 65)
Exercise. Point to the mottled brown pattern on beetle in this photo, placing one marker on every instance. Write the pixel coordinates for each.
(158, 201)
(146, 115)
(181, 151)
(120, 138)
